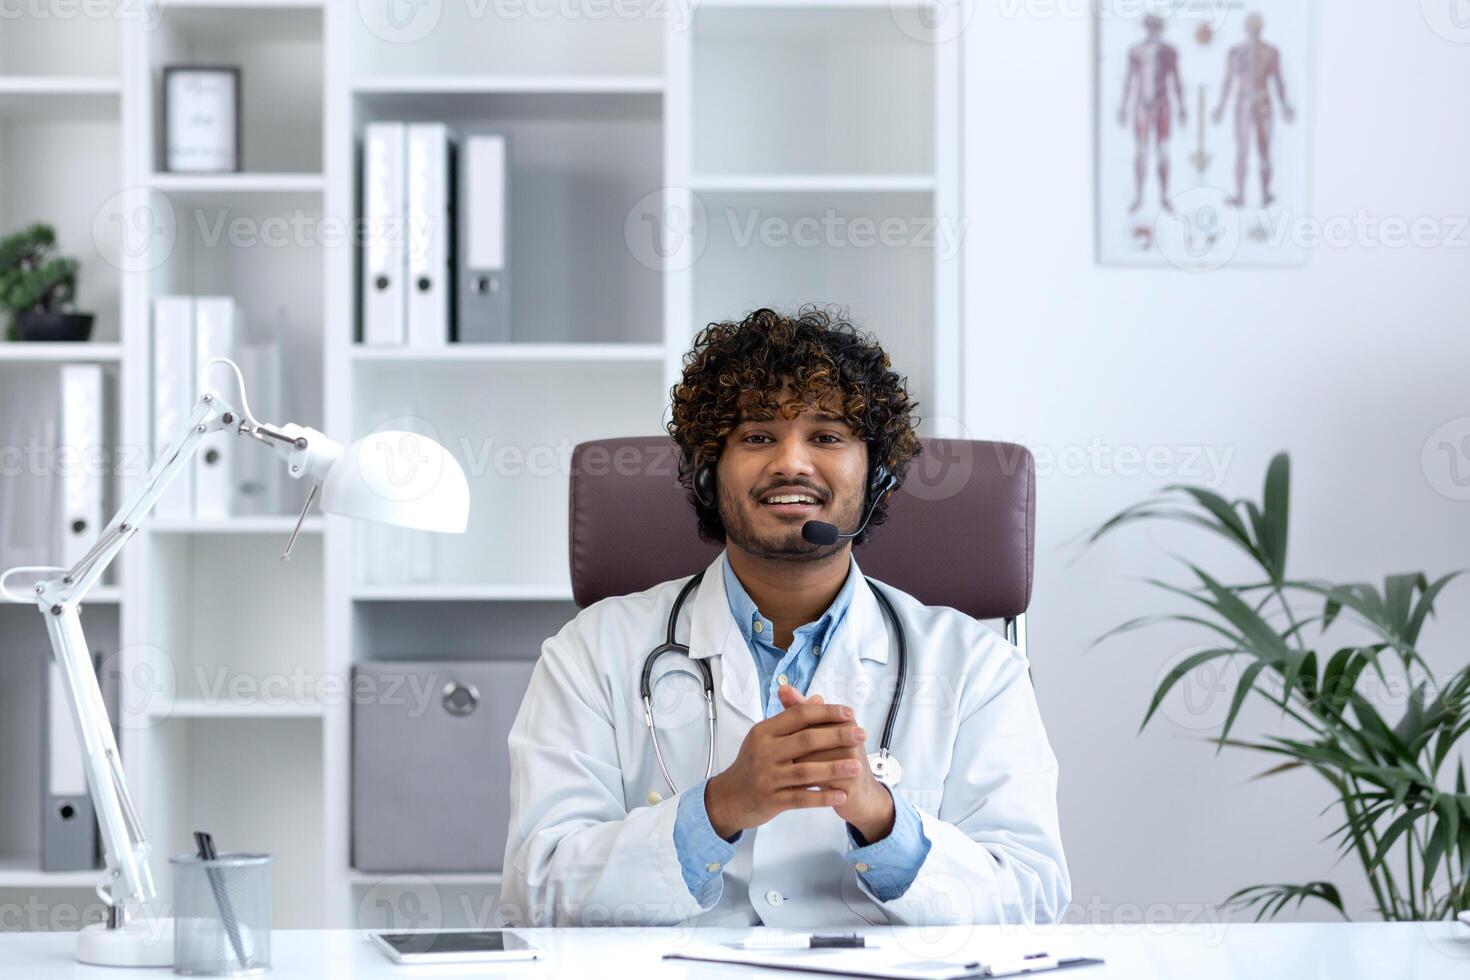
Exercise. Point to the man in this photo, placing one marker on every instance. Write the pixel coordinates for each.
(1253, 65)
(1153, 68)
(781, 420)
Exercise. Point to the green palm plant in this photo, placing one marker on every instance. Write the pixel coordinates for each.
(1409, 831)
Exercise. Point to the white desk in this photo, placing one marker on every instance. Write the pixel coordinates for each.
(1335, 951)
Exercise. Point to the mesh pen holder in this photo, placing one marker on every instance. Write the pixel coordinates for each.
(222, 915)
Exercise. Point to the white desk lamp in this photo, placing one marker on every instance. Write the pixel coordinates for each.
(391, 477)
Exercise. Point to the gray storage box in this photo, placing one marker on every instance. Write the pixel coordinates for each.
(430, 767)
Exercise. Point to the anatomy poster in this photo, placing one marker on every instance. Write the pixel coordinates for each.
(1202, 139)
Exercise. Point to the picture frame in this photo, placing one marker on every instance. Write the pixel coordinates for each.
(201, 119)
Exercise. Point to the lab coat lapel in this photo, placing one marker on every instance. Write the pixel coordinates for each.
(713, 634)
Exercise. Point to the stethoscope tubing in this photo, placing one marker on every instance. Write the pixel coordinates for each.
(671, 645)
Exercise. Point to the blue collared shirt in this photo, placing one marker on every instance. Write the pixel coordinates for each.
(891, 864)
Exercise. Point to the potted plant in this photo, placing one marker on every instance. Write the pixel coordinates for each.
(37, 287)
(1403, 807)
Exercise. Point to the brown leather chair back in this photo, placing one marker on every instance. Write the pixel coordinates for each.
(960, 532)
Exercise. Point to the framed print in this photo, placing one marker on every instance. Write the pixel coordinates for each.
(1202, 133)
(201, 119)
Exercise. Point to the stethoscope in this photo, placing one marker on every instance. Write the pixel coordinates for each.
(885, 766)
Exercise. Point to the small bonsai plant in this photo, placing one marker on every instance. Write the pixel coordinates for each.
(38, 286)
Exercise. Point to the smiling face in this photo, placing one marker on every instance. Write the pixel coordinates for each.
(775, 474)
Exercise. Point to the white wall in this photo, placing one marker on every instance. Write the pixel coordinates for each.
(1350, 363)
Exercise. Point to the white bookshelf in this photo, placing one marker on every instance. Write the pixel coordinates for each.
(787, 110)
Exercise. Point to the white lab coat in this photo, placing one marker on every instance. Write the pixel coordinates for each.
(591, 836)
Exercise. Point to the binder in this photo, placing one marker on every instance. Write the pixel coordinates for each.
(173, 394)
(429, 234)
(258, 474)
(483, 289)
(30, 415)
(384, 260)
(216, 321)
(84, 463)
(68, 823)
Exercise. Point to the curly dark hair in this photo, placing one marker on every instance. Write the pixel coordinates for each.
(824, 358)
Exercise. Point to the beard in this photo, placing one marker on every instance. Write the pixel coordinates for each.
(783, 543)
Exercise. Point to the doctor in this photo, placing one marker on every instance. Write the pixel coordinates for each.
(782, 420)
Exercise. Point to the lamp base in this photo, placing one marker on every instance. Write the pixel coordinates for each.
(142, 942)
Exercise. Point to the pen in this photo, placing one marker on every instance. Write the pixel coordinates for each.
(800, 941)
(1030, 963)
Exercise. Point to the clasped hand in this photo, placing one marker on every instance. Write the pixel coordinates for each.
(811, 754)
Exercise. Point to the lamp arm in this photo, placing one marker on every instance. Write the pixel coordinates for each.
(128, 879)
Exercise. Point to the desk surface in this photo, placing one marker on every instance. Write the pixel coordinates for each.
(1291, 951)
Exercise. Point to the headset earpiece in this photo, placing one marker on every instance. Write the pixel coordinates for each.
(881, 483)
(703, 484)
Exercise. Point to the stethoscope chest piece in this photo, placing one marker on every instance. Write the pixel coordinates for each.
(886, 768)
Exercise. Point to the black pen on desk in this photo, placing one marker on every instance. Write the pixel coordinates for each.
(800, 941)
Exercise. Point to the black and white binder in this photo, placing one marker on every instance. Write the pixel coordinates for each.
(430, 233)
(83, 473)
(483, 289)
(384, 254)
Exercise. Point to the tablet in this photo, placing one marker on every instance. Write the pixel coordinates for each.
(486, 946)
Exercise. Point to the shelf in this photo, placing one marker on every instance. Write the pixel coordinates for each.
(58, 352)
(813, 183)
(245, 5)
(536, 353)
(425, 592)
(506, 84)
(198, 708)
(14, 874)
(43, 97)
(103, 595)
(265, 524)
(237, 183)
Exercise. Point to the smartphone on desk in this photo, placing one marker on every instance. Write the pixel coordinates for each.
(477, 946)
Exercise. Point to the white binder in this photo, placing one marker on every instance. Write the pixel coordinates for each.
(257, 474)
(173, 394)
(68, 826)
(384, 253)
(428, 234)
(216, 321)
(84, 466)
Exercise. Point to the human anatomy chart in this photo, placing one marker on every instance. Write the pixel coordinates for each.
(1202, 143)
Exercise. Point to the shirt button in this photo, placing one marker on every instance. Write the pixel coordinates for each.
(759, 626)
(781, 679)
(774, 898)
(712, 867)
(861, 866)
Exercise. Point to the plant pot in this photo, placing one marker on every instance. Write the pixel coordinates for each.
(54, 326)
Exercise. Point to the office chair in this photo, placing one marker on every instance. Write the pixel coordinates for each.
(960, 532)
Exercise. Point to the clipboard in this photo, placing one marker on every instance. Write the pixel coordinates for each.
(871, 963)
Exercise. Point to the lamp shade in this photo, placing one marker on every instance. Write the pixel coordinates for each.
(400, 478)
